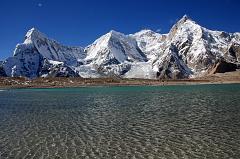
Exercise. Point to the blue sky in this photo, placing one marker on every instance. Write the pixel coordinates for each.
(80, 22)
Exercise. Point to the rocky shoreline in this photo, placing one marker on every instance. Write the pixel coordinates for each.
(20, 82)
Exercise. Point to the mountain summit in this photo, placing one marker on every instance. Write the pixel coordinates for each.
(188, 50)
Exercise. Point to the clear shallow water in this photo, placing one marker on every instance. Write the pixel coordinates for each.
(121, 122)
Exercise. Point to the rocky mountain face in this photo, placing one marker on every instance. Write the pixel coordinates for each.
(187, 51)
(222, 67)
(38, 52)
(113, 54)
(190, 50)
(2, 71)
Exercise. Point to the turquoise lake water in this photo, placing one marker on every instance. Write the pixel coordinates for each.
(121, 122)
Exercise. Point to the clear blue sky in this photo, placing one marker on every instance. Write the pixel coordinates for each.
(80, 22)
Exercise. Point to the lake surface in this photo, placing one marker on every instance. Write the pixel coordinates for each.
(121, 122)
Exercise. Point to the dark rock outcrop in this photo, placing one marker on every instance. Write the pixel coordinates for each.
(2, 71)
(234, 51)
(172, 66)
(222, 66)
(62, 71)
(57, 70)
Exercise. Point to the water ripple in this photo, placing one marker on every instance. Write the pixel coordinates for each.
(136, 122)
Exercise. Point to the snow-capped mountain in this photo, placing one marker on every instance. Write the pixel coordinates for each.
(149, 42)
(30, 57)
(113, 54)
(188, 50)
(51, 49)
(114, 47)
(191, 49)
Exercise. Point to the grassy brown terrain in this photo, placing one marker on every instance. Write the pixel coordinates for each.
(20, 82)
(228, 77)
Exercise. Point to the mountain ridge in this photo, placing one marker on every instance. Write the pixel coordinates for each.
(187, 51)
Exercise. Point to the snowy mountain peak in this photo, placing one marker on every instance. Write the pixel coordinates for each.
(34, 34)
(113, 32)
(185, 21)
(37, 51)
(115, 35)
(114, 47)
(145, 32)
(185, 18)
(106, 38)
(185, 28)
(33, 31)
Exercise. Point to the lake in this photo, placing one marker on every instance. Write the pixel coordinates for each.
(142, 122)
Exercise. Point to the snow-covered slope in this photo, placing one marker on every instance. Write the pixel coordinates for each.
(28, 58)
(193, 48)
(188, 50)
(51, 49)
(149, 42)
(113, 54)
(116, 47)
